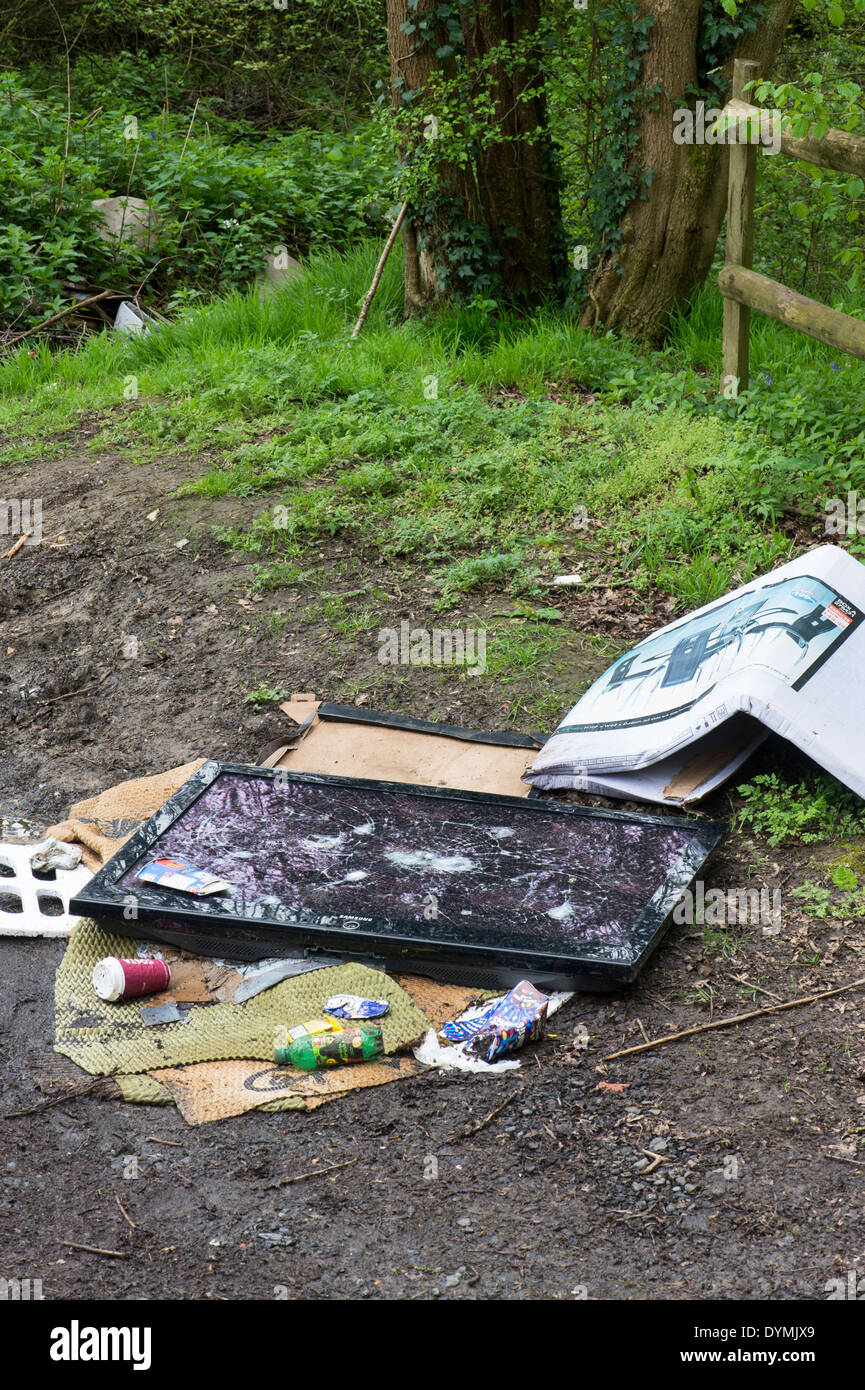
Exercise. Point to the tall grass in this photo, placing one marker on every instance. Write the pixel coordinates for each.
(466, 439)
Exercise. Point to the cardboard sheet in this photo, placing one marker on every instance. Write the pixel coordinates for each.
(679, 713)
(391, 753)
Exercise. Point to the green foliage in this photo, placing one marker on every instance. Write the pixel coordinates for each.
(839, 896)
(811, 811)
(827, 207)
(224, 200)
(465, 444)
(477, 571)
(268, 60)
(265, 694)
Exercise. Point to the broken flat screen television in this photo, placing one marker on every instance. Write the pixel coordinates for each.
(462, 886)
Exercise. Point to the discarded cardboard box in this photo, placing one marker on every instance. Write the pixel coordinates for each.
(678, 714)
(353, 742)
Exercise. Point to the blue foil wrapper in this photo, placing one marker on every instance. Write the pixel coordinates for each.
(505, 1026)
(353, 1006)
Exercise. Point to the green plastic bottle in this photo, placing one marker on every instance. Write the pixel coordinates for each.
(362, 1042)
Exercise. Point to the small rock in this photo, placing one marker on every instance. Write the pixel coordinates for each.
(127, 219)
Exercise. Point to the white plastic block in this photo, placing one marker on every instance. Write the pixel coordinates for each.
(35, 906)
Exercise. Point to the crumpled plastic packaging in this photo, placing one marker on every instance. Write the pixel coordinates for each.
(54, 854)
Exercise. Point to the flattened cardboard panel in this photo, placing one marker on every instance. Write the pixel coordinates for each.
(208, 1091)
(403, 755)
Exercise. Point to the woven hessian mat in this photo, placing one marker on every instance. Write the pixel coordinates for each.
(112, 1039)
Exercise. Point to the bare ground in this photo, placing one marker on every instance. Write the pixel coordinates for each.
(726, 1165)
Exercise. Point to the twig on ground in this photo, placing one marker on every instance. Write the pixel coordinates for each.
(124, 1212)
(736, 1018)
(313, 1173)
(22, 540)
(61, 314)
(82, 690)
(758, 988)
(56, 1100)
(94, 1249)
(482, 1124)
(656, 1160)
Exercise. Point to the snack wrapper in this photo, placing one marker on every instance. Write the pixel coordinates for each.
(508, 1024)
(182, 876)
(353, 1006)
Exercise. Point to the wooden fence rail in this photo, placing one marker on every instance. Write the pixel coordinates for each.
(742, 288)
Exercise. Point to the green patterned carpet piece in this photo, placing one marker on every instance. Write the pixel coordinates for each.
(112, 1039)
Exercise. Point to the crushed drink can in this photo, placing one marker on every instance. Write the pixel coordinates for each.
(116, 979)
(183, 877)
(362, 1043)
(355, 1006)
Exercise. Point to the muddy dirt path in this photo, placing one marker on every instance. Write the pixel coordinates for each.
(726, 1165)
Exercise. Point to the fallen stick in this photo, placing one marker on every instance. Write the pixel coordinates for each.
(22, 540)
(482, 1124)
(94, 1249)
(124, 1212)
(759, 988)
(314, 1173)
(82, 690)
(656, 1159)
(736, 1018)
(61, 314)
(56, 1100)
(379, 270)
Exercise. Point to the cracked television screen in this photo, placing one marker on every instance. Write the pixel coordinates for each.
(416, 864)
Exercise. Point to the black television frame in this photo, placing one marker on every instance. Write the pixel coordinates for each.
(208, 926)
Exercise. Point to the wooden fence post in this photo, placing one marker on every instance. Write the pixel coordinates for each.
(740, 238)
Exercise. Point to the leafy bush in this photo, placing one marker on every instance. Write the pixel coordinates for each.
(225, 197)
(815, 809)
(270, 60)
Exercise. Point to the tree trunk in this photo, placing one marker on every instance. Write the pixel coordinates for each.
(491, 222)
(411, 66)
(669, 233)
(516, 176)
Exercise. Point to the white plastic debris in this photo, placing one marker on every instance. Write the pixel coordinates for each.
(32, 906)
(128, 320)
(54, 854)
(565, 580)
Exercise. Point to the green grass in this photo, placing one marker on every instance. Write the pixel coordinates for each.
(462, 447)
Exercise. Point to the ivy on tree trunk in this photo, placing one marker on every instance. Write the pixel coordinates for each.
(468, 87)
(666, 241)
